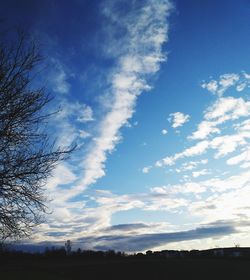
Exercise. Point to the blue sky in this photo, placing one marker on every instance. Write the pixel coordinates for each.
(156, 95)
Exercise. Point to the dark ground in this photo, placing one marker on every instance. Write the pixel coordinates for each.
(61, 269)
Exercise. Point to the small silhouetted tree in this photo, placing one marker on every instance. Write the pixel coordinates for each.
(68, 247)
(27, 154)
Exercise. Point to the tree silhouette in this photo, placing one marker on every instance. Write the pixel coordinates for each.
(68, 247)
(27, 154)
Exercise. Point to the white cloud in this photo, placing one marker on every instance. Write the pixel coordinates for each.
(225, 81)
(224, 109)
(61, 85)
(190, 165)
(85, 113)
(219, 87)
(232, 182)
(164, 131)
(178, 119)
(230, 199)
(127, 81)
(59, 78)
(205, 128)
(187, 188)
(69, 121)
(228, 143)
(223, 145)
(61, 175)
(228, 108)
(245, 165)
(211, 86)
(146, 169)
(241, 86)
(243, 126)
(84, 134)
(126, 84)
(140, 54)
(242, 157)
(163, 203)
(80, 111)
(195, 150)
(199, 173)
(246, 75)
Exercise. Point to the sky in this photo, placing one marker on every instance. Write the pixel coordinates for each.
(156, 95)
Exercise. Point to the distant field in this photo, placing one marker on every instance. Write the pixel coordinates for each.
(46, 269)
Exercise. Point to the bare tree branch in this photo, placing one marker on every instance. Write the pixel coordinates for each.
(27, 156)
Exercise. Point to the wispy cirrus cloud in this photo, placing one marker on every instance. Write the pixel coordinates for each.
(59, 77)
(145, 32)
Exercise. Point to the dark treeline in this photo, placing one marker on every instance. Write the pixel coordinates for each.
(54, 252)
(57, 253)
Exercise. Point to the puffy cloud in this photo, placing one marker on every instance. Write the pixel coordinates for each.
(205, 128)
(211, 86)
(219, 87)
(228, 108)
(224, 109)
(178, 119)
(242, 157)
(224, 82)
(232, 182)
(146, 169)
(190, 165)
(228, 143)
(199, 173)
(164, 131)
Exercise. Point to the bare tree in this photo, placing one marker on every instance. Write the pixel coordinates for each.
(27, 155)
(68, 247)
